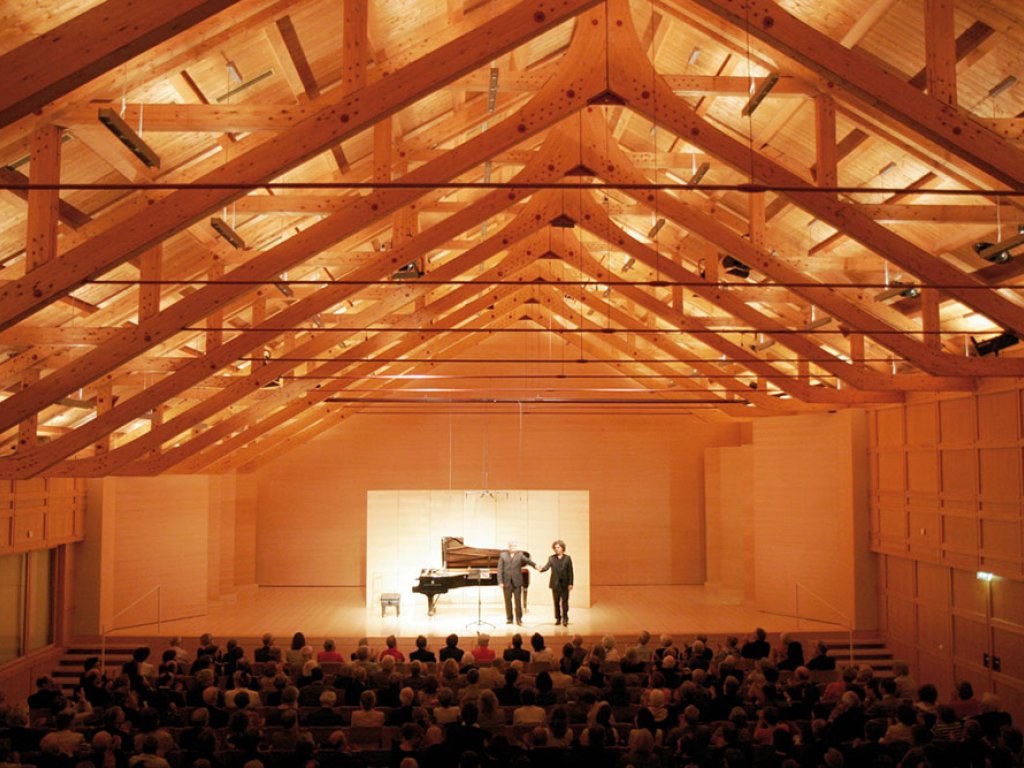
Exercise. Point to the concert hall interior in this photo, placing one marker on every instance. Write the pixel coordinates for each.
(724, 294)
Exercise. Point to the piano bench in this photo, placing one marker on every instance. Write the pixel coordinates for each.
(390, 600)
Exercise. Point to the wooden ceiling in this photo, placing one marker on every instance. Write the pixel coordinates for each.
(722, 207)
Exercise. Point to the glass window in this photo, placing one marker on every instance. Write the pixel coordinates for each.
(40, 600)
(12, 606)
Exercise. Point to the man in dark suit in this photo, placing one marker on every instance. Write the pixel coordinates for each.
(510, 576)
(560, 565)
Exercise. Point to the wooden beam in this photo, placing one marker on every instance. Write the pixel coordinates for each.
(43, 204)
(69, 214)
(150, 271)
(355, 48)
(826, 154)
(930, 322)
(333, 123)
(28, 430)
(57, 61)
(940, 51)
(967, 44)
(948, 128)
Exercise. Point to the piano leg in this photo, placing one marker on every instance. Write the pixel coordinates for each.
(431, 604)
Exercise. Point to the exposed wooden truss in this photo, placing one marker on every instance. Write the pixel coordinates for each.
(441, 202)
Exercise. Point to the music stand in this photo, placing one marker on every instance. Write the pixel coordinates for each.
(478, 575)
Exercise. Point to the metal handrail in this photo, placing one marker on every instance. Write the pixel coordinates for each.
(847, 623)
(104, 631)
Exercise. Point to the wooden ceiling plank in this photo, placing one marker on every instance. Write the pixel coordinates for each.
(332, 124)
(947, 127)
(117, 30)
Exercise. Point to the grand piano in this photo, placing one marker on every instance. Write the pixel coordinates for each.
(461, 566)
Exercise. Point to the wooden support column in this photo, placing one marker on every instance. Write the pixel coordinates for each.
(43, 204)
(757, 220)
(857, 347)
(382, 151)
(353, 54)
(215, 320)
(150, 269)
(940, 51)
(930, 323)
(27, 429)
(155, 422)
(678, 295)
(104, 403)
(259, 314)
(827, 155)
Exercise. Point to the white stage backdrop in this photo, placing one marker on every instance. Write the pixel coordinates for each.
(404, 531)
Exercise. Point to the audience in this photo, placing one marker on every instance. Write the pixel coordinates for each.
(698, 703)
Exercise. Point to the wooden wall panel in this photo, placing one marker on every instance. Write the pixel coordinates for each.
(809, 499)
(956, 419)
(923, 471)
(729, 494)
(932, 606)
(160, 539)
(40, 513)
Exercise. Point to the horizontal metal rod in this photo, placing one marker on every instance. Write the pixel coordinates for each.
(607, 331)
(491, 185)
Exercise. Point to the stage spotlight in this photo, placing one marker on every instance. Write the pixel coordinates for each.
(735, 267)
(410, 271)
(994, 345)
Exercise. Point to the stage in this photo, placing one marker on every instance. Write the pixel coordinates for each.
(340, 612)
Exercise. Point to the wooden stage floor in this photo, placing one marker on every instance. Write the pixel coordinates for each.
(340, 612)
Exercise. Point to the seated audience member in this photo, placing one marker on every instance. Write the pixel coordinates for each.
(330, 653)
(545, 688)
(491, 715)
(611, 653)
(666, 647)
(947, 726)
(147, 756)
(294, 653)
(902, 729)
(403, 713)
(362, 651)
(451, 649)
(326, 714)
(472, 689)
(447, 711)
(992, 718)
(267, 652)
(540, 652)
(180, 654)
(757, 647)
(569, 663)
(791, 653)
(47, 693)
(422, 654)
(466, 734)
(640, 750)
(515, 651)
(309, 694)
(644, 653)
(483, 653)
(508, 694)
(64, 740)
(906, 688)
(391, 650)
(528, 713)
(834, 690)
(367, 716)
(207, 647)
(415, 679)
(821, 661)
(964, 703)
(926, 703)
(93, 684)
(560, 735)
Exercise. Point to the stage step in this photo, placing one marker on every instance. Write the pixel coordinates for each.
(72, 663)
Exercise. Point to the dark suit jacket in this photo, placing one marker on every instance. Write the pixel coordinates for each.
(510, 568)
(561, 571)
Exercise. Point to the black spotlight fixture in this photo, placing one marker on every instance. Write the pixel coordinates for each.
(988, 254)
(994, 345)
(735, 267)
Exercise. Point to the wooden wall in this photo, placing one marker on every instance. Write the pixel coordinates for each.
(40, 513)
(189, 535)
(644, 475)
(811, 517)
(729, 517)
(946, 481)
